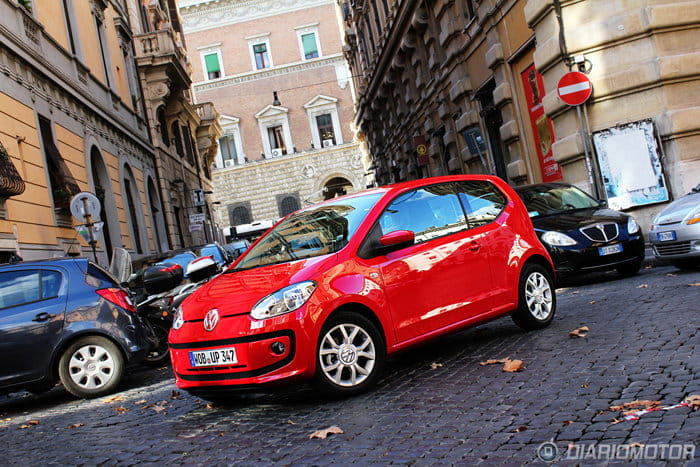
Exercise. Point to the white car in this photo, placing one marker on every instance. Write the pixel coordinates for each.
(675, 233)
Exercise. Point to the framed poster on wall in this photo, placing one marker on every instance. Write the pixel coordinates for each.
(630, 165)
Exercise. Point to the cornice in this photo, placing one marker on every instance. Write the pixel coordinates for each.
(209, 14)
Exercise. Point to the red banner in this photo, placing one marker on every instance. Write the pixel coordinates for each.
(421, 149)
(542, 129)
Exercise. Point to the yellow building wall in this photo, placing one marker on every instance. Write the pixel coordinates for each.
(89, 43)
(121, 84)
(50, 14)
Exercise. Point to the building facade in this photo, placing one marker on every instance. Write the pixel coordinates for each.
(74, 119)
(471, 87)
(276, 73)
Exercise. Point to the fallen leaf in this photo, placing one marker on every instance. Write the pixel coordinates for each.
(493, 361)
(521, 428)
(591, 302)
(435, 366)
(567, 422)
(671, 274)
(33, 422)
(75, 425)
(636, 445)
(694, 401)
(648, 267)
(121, 409)
(580, 332)
(222, 434)
(24, 427)
(210, 405)
(697, 284)
(584, 385)
(175, 395)
(109, 400)
(635, 405)
(575, 292)
(158, 409)
(142, 401)
(513, 365)
(615, 421)
(291, 422)
(322, 434)
(643, 286)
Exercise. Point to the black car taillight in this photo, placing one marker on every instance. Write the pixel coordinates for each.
(117, 296)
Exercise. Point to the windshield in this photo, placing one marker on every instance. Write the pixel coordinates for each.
(315, 231)
(545, 200)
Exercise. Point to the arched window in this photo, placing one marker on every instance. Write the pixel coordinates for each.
(164, 134)
(239, 215)
(178, 139)
(288, 205)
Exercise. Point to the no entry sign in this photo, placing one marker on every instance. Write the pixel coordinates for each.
(574, 88)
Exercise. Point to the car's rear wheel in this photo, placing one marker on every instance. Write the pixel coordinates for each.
(92, 366)
(537, 300)
(350, 354)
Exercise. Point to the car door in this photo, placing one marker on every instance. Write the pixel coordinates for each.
(32, 308)
(441, 279)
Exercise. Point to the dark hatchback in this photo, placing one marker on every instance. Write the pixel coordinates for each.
(66, 320)
(581, 233)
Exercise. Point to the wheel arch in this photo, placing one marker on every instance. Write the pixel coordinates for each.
(364, 311)
(541, 261)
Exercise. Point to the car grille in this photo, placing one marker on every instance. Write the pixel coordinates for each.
(676, 248)
(601, 232)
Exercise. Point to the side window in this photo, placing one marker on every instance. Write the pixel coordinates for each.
(429, 212)
(482, 200)
(27, 286)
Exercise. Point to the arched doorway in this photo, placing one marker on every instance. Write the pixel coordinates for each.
(157, 216)
(336, 186)
(132, 208)
(103, 191)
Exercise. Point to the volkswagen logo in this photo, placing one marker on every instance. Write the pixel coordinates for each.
(211, 319)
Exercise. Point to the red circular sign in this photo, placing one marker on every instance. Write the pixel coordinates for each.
(574, 88)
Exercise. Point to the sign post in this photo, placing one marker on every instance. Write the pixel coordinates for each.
(85, 207)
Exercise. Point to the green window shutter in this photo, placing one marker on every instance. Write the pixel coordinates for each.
(212, 61)
(309, 43)
(259, 48)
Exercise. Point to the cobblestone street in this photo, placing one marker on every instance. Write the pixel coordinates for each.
(435, 405)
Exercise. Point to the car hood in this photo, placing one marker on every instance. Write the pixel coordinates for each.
(678, 210)
(236, 292)
(573, 220)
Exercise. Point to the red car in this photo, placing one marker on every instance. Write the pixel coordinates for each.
(333, 289)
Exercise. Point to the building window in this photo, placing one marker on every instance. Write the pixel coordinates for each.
(178, 139)
(61, 182)
(287, 204)
(276, 136)
(239, 215)
(324, 121)
(308, 41)
(163, 126)
(262, 58)
(69, 14)
(229, 154)
(212, 65)
(189, 144)
(133, 213)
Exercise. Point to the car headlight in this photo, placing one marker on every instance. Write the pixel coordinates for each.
(693, 218)
(632, 226)
(284, 300)
(178, 318)
(557, 239)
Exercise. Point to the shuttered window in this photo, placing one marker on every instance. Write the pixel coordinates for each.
(213, 66)
(310, 47)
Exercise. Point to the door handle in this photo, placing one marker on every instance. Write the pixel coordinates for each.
(43, 317)
(474, 246)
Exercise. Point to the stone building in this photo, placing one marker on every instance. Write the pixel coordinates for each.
(276, 73)
(73, 119)
(471, 87)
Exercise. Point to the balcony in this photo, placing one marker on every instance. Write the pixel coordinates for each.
(208, 131)
(158, 51)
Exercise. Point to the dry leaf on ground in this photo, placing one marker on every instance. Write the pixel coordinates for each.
(580, 332)
(291, 422)
(493, 361)
(121, 409)
(435, 366)
(322, 434)
(75, 425)
(643, 286)
(670, 274)
(142, 401)
(521, 428)
(575, 292)
(636, 405)
(159, 409)
(694, 401)
(697, 284)
(109, 400)
(513, 365)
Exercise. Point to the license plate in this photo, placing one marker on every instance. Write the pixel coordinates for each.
(610, 249)
(213, 357)
(666, 236)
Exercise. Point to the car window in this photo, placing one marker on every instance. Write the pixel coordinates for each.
(428, 212)
(28, 286)
(482, 200)
(315, 231)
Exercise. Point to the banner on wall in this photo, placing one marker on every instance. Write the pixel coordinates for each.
(542, 130)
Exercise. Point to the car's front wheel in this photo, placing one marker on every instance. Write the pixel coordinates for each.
(92, 366)
(537, 300)
(350, 354)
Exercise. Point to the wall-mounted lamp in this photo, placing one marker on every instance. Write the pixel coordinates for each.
(275, 100)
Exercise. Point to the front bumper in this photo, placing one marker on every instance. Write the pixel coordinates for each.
(577, 259)
(263, 356)
(686, 243)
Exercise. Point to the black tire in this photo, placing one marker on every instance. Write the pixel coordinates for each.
(629, 269)
(160, 353)
(359, 346)
(92, 366)
(537, 300)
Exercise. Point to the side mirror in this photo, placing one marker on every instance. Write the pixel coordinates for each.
(161, 278)
(396, 240)
(603, 203)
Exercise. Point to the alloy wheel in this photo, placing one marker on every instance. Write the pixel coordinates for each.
(538, 295)
(347, 355)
